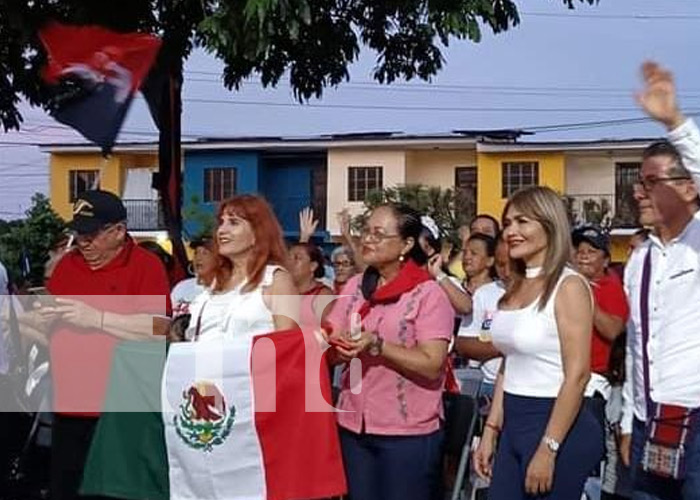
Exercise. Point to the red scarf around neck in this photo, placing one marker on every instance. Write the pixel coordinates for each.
(410, 275)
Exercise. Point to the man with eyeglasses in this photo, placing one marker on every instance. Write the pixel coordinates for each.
(662, 390)
(106, 290)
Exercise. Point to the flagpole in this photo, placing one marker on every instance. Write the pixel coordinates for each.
(169, 165)
(100, 172)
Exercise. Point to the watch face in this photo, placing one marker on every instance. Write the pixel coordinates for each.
(552, 445)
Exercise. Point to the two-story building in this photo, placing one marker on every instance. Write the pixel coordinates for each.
(128, 173)
(335, 172)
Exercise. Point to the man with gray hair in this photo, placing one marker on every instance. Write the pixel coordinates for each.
(662, 391)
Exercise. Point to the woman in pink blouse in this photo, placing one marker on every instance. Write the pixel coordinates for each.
(397, 322)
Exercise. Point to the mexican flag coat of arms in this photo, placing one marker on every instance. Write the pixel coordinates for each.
(246, 419)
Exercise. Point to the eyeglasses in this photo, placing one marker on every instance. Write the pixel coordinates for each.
(88, 238)
(649, 183)
(367, 235)
(342, 263)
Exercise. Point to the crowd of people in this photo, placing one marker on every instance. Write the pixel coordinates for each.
(580, 367)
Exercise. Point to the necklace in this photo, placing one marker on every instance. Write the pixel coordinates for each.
(533, 272)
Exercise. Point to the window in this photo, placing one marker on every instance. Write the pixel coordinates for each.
(466, 179)
(626, 212)
(219, 184)
(518, 175)
(80, 181)
(362, 180)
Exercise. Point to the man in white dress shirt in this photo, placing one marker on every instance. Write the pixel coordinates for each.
(667, 195)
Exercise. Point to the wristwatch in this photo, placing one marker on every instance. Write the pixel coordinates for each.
(552, 444)
(375, 348)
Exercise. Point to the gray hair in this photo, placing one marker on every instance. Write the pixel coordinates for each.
(342, 250)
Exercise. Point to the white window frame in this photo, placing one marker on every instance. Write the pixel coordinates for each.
(359, 181)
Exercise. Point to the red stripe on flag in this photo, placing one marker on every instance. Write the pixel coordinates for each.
(97, 48)
(301, 449)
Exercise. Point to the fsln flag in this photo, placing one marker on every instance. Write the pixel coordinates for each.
(239, 420)
(95, 73)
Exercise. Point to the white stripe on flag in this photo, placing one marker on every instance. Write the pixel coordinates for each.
(213, 449)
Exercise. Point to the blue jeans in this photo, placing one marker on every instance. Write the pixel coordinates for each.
(392, 467)
(649, 487)
(524, 423)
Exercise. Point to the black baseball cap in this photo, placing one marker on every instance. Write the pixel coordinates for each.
(96, 209)
(202, 241)
(594, 236)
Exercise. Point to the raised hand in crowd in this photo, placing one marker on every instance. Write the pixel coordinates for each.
(307, 224)
(344, 223)
(658, 98)
(435, 265)
(344, 219)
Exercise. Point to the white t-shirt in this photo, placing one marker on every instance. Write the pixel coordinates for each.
(478, 324)
(183, 295)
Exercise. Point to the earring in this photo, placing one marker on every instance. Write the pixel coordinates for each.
(401, 258)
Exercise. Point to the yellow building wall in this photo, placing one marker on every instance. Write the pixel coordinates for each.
(393, 163)
(437, 167)
(619, 248)
(552, 173)
(112, 177)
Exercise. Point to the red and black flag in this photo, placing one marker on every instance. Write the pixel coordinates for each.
(95, 73)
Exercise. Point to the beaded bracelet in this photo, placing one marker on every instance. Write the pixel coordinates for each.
(492, 426)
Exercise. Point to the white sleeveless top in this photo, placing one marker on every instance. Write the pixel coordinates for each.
(232, 314)
(529, 340)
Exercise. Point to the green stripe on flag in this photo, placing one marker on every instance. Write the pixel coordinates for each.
(128, 457)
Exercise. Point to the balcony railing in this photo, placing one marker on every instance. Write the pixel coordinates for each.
(144, 215)
(606, 210)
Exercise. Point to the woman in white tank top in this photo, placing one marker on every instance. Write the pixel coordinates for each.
(547, 442)
(249, 276)
(252, 295)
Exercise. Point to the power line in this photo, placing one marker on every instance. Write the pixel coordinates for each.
(23, 176)
(593, 124)
(125, 131)
(409, 108)
(27, 164)
(575, 92)
(434, 86)
(631, 17)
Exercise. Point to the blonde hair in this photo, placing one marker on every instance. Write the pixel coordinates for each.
(546, 207)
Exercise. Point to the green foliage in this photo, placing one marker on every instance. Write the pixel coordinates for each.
(34, 235)
(446, 206)
(203, 220)
(313, 41)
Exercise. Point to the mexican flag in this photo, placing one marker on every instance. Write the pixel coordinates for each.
(221, 420)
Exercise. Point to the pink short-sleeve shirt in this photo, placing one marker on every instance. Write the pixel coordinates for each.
(391, 403)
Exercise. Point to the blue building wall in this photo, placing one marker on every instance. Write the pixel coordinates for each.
(285, 181)
(246, 163)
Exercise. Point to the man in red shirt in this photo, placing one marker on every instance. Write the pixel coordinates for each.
(107, 290)
(611, 310)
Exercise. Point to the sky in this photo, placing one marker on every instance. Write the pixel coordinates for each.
(557, 68)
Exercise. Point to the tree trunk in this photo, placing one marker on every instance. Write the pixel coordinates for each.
(169, 165)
